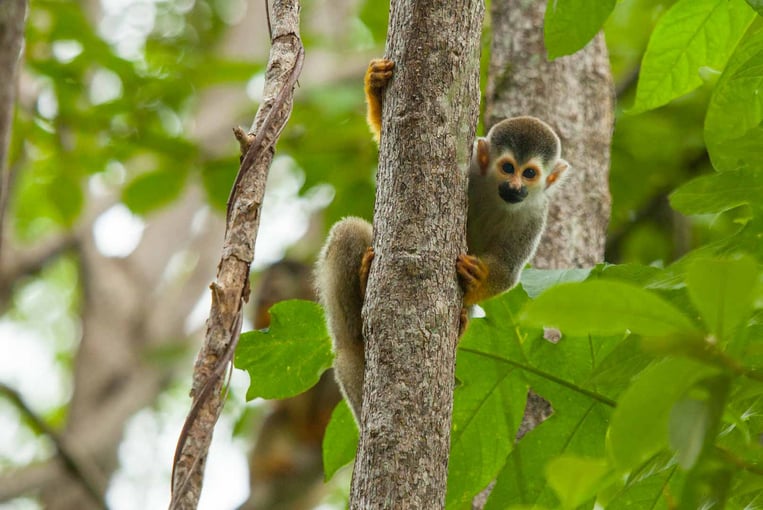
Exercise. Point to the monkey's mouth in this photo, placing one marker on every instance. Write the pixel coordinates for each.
(512, 195)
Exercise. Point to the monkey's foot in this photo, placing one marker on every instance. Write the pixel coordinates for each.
(473, 273)
(365, 268)
(379, 73)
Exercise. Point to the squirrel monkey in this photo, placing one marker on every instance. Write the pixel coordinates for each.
(511, 173)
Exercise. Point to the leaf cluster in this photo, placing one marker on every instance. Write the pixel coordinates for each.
(656, 388)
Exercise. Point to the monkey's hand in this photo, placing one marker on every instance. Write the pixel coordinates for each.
(473, 273)
(378, 74)
(365, 268)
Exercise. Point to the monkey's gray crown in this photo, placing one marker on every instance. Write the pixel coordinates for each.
(527, 137)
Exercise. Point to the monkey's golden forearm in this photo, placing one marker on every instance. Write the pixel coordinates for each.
(379, 72)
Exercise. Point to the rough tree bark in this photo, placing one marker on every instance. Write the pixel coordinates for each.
(230, 290)
(575, 95)
(413, 299)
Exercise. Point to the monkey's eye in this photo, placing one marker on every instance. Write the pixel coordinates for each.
(507, 168)
(529, 173)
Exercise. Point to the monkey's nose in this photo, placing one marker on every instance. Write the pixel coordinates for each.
(510, 194)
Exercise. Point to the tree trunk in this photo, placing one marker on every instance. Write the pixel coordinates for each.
(413, 299)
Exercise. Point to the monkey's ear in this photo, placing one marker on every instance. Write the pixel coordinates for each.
(481, 155)
(560, 167)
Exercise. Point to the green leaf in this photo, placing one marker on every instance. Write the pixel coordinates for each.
(757, 5)
(576, 480)
(536, 281)
(577, 426)
(708, 484)
(497, 358)
(734, 120)
(497, 332)
(687, 427)
(340, 442)
(723, 292)
(571, 24)
(290, 357)
(631, 273)
(695, 421)
(648, 486)
(153, 190)
(639, 426)
(720, 192)
(614, 371)
(606, 308)
(488, 407)
(692, 35)
(489, 401)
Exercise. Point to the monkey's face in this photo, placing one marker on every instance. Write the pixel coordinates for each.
(520, 157)
(516, 181)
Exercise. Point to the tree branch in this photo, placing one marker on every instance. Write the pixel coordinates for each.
(231, 288)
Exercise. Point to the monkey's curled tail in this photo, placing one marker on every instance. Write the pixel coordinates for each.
(337, 278)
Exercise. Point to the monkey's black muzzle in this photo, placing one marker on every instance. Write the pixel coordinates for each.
(512, 195)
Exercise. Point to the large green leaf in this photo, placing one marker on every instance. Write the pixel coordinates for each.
(733, 124)
(720, 192)
(497, 358)
(614, 370)
(577, 479)
(692, 35)
(650, 486)
(535, 281)
(639, 426)
(487, 411)
(560, 372)
(290, 357)
(489, 401)
(577, 427)
(340, 442)
(687, 428)
(606, 308)
(722, 291)
(570, 24)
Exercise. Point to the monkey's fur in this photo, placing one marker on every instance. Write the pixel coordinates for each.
(338, 283)
(510, 174)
